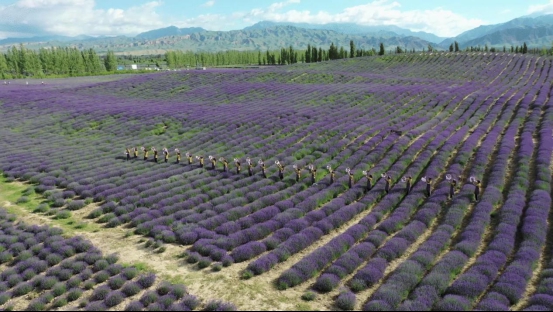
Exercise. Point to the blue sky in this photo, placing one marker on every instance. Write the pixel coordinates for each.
(130, 17)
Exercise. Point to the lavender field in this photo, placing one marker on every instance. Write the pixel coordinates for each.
(313, 238)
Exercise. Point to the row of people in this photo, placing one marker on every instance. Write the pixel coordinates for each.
(312, 170)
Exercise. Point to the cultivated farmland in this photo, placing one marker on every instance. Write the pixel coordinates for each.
(266, 242)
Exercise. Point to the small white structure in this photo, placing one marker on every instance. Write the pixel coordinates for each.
(134, 66)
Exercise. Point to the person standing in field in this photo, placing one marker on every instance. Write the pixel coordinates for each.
(250, 166)
(201, 159)
(428, 186)
(155, 154)
(408, 181)
(128, 153)
(369, 181)
(313, 172)
(262, 165)
(177, 151)
(213, 161)
(225, 164)
(238, 165)
(476, 184)
(388, 184)
(298, 172)
(280, 170)
(146, 151)
(332, 174)
(452, 186)
(135, 152)
(350, 177)
(166, 154)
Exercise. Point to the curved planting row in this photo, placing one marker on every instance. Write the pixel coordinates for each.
(419, 115)
(39, 263)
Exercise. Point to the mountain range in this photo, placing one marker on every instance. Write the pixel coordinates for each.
(535, 31)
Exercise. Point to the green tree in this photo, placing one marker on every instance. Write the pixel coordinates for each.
(110, 62)
(524, 48)
(430, 48)
(456, 46)
(381, 51)
(351, 49)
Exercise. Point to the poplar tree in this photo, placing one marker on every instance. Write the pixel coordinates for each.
(381, 51)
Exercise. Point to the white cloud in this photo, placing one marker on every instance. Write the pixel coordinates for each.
(546, 8)
(380, 12)
(209, 4)
(75, 17)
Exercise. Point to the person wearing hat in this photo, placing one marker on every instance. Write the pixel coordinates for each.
(178, 155)
(128, 153)
(388, 183)
(369, 181)
(408, 181)
(313, 172)
(238, 166)
(263, 172)
(213, 162)
(351, 180)
(250, 167)
(146, 151)
(225, 164)
(428, 187)
(166, 154)
(201, 158)
(135, 152)
(280, 171)
(298, 173)
(190, 158)
(452, 186)
(477, 184)
(155, 154)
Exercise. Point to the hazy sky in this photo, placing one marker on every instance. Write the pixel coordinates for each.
(129, 17)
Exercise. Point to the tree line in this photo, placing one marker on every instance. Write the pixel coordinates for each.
(20, 62)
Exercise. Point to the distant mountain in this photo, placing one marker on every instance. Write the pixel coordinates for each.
(533, 37)
(355, 29)
(43, 39)
(269, 38)
(518, 23)
(169, 31)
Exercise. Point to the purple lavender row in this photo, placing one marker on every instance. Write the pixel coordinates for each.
(291, 280)
(453, 218)
(430, 249)
(501, 246)
(542, 298)
(401, 214)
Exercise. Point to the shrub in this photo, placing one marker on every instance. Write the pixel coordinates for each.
(22, 289)
(146, 281)
(116, 282)
(346, 301)
(309, 296)
(204, 262)
(114, 298)
(4, 297)
(63, 214)
(326, 282)
(100, 293)
(190, 301)
(131, 289)
(101, 277)
(59, 289)
(218, 305)
(59, 302)
(149, 298)
(134, 306)
(129, 273)
(36, 305)
(216, 267)
(22, 200)
(74, 294)
(163, 289)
